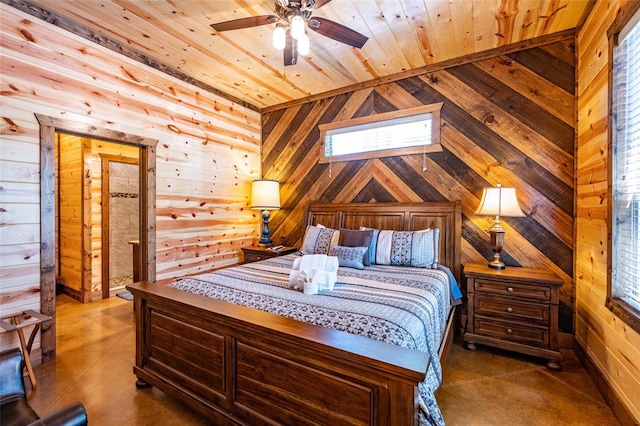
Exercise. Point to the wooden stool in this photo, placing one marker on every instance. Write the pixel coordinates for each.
(17, 322)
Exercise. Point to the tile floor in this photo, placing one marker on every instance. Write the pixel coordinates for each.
(96, 350)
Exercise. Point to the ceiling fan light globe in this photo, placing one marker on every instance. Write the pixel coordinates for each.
(297, 27)
(279, 37)
(304, 45)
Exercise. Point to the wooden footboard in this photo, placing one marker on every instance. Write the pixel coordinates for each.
(237, 365)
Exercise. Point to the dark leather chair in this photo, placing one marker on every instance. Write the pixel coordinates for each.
(14, 408)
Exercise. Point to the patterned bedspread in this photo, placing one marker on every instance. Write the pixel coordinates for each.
(404, 306)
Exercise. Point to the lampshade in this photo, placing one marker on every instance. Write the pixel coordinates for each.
(279, 37)
(265, 194)
(304, 45)
(499, 201)
(297, 27)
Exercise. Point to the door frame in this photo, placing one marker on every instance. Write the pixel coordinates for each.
(89, 128)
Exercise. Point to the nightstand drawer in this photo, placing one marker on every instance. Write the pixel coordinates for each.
(528, 334)
(511, 308)
(251, 257)
(255, 254)
(514, 289)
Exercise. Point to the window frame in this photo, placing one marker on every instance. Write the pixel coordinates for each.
(623, 310)
(435, 145)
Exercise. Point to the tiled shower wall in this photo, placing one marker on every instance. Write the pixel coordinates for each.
(124, 219)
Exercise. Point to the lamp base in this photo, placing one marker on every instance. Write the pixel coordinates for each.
(497, 240)
(496, 264)
(265, 238)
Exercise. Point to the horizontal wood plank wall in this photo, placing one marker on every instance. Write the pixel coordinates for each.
(508, 119)
(612, 346)
(209, 150)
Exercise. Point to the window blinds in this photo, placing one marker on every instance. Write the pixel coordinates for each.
(626, 168)
(389, 134)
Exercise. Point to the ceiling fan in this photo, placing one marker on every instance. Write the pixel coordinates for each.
(290, 34)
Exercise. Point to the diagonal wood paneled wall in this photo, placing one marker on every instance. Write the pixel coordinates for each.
(508, 119)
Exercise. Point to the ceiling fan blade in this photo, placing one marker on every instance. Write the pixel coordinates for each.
(252, 21)
(338, 32)
(290, 50)
(319, 3)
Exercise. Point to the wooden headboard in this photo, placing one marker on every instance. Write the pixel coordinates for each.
(398, 217)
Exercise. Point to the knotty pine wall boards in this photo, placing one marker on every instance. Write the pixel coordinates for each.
(207, 154)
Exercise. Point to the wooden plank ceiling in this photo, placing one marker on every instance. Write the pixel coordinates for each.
(403, 35)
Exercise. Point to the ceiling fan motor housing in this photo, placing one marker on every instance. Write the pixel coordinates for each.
(287, 13)
(302, 5)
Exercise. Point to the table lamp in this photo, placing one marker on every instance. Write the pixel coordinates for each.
(498, 201)
(265, 196)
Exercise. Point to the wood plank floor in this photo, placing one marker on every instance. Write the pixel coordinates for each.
(96, 351)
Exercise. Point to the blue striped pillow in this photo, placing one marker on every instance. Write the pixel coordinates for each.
(419, 249)
(318, 239)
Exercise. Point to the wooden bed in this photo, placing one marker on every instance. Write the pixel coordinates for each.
(237, 365)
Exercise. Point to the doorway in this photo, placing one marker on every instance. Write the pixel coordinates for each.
(92, 129)
(120, 223)
(97, 210)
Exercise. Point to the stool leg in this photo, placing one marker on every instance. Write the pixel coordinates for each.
(32, 337)
(27, 359)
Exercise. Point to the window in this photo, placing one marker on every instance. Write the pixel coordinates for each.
(411, 131)
(624, 285)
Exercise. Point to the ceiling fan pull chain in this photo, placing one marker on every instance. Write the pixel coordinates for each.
(424, 158)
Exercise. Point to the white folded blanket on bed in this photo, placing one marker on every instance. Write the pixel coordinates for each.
(321, 262)
(319, 271)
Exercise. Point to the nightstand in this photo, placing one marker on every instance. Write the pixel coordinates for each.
(514, 309)
(256, 253)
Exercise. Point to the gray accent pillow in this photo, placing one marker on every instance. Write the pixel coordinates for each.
(351, 257)
(351, 238)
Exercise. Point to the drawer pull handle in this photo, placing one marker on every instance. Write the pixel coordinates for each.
(510, 289)
(509, 331)
(509, 309)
